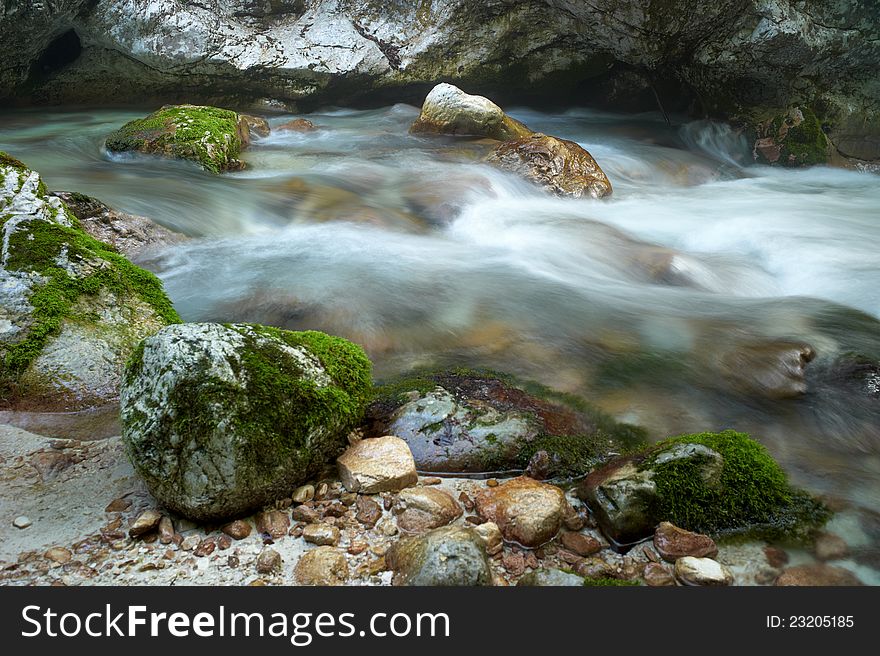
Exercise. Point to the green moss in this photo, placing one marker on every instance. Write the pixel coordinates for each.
(8, 160)
(605, 582)
(207, 135)
(751, 496)
(805, 144)
(35, 246)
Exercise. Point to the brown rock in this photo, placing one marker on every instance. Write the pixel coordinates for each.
(147, 521)
(540, 466)
(817, 574)
(421, 509)
(673, 543)
(58, 555)
(321, 534)
(205, 548)
(305, 514)
(368, 511)
(381, 464)
(514, 563)
(431, 480)
(118, 505)
(297, 125)
(657, 575)
(224, 542)
(256, 125)
(527, 511)
(776, 557)
(573, 520)
(583, 545)
(466, 501)
(829, 546)
(357, 547)
(321, 566)
(166, 530)
(558, 165)
(490, 535)
(594, 568)
(773, 369)
(272, 522)
(237, 530)
(268, 561)
(303, 493)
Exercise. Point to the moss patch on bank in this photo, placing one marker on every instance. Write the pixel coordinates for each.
(211, 136)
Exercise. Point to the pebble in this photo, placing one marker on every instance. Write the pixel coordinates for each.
(817, 574)
(146, 522)
(490, 536)
(527, 511)
(58, 555)
(224, 542)
(368, 511)
(118, 505)
(466, 501)
(190, 542)
(431, 480)
(268, 562)
(321, 566)
(514, 563)
(776, 557)
(237, 530)
(273, 522)
(22, 521)
(583, 545)
(357, 547)
(205, 548)
(492, 482)
(321, 534)
(421, 509)
(305, 514)
(657, 575)
(304, 493)
(673, 543)
(690, 570)
(166, 530)
(381, 464)
(829, 546)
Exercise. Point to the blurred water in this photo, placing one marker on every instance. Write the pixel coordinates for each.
(417, 250)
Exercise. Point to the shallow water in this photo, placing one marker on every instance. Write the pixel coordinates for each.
(415, 249)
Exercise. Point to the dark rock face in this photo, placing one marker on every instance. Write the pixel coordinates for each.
(750, 59)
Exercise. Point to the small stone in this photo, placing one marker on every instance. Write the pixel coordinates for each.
(388, 527)
(296, 531)
(492, 482)
(387, 501)
(573, 520)
(190, 542)
(368, 511)
(490, 536)
(583, 545)
(297, 125)
(650, 554)
(550, 578)
(514, 563)
(321, 491)
(335, 510)
(380, 464)
(166, 530)
(594, 568)
(540, 466)
(305, 514)
(118, 505)
(304, 493)
(272, 522)
(527, 511)
(224, 542)
(569, 557)
(268, 562)
(58, 555)
(673, 543)
(466, 501)
(233, 561)
(147, 521)
(205, 548)
(321, 534)
(431, 480)
(829, 546)
(357, 547)
(776, 557)
(321, 566)
(817, 574)
(348, 498)
(657, 575)
(22, 521)
(690, 570)
(421, 509)
(237, 530)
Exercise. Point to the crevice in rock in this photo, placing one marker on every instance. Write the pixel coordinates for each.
(60, 53)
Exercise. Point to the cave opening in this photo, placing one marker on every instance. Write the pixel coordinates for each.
(61, 52)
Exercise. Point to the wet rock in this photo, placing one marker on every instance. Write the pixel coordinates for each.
(582, 545)
(658, 575)
(59, 555)
(701, 571)
(540, 466)
(146, 522)
(205, 548)
(224, 542)
(776, 557)
(256, 127)
(792, 139)
(594, 568)
(190, 378)
(303, 493)
(672, 543)
(448, 556)
(421, 509)
(817, 574)
(190, 542)
(321, 566)
(305, 514)
(379, 464)
(773, 369)
(558, 165)
(238, 529)
(268, 562)
(550, 578)
(528, 512)
(368, 511)
(166, 530)
(829, 546)
(321, 534)
(272, 522)
(22, 521)
(514, 562)
(129, 234)
(297, 125)
(449, 110)
(490, 536)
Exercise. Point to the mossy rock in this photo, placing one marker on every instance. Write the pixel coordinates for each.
(221, 419)
(73, 308)
(793, 138)
(481, 421)
(211, 136)
(721, 484)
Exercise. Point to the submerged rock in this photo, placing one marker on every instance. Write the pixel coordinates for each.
(297, 125)
(717, 483)
(222, 419)
(817, 574)
(449, 110)
(528, 512)
(770, 369)
(476, 422)
(558, 165)
(448, 556)
(211, 136)
(72, 309)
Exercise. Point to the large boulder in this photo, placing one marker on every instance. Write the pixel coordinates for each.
(72, 309)
(211, 136)
(448, 556)
(479, 422)
(716, 483)
(222, 419)
(558, 165)
(449, 110)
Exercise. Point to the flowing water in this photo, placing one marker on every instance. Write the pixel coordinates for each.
(426, 256)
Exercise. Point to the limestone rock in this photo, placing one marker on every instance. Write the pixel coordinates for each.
(550, 578)
(817, 574)
(321, 566)
(146, 522)
(321, 534)
(702, 571)
(421, 509)
(449, 110)
(382, 464)
(269, 561)
(448, 556)
(526, 511)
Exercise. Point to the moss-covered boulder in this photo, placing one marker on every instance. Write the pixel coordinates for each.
(715, 483)
(222, 419)
(449, 110)
(558, 165)
(472, 421)
(72, 309)
(211, 136)
(793, 138)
